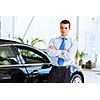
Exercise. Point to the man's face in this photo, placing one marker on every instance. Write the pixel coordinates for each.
(64, 28)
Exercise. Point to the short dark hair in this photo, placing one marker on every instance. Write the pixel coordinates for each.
(65, 22)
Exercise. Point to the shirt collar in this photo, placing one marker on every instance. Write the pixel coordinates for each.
(63, 37)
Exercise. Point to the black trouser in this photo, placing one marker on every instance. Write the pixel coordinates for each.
(59, 75)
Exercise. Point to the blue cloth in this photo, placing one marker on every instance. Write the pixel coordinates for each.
(62, 47)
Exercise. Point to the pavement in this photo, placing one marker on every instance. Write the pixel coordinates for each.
(92, 75)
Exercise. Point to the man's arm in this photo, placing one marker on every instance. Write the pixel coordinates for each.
(62, 51)
(51, 50)
(71, 53)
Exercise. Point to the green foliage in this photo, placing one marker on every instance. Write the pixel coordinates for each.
(81, 55)
(36, 40)
(77, 54)
(21, 40)
(27, 53)
(33, 42)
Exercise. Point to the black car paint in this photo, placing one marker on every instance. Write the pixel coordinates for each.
(74, 69)
(29, 72)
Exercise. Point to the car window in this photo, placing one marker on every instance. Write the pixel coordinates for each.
(30, 56)
(7, 56)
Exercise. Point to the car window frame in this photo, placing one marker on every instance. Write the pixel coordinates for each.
(31, 49)
(13, 50)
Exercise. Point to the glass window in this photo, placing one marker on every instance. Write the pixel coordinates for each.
(30, 56)
(7, 56)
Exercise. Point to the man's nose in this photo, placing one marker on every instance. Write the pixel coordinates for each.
(63, 29)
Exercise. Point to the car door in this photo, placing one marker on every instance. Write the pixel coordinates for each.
(35, 61)
(11, 69)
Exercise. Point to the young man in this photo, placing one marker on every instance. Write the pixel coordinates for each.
(62, 52)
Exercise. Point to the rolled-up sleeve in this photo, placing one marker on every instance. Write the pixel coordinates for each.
(51, 52)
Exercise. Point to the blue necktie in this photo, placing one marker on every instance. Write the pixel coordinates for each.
(62, 47)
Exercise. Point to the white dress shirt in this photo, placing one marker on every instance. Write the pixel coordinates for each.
(70, 45)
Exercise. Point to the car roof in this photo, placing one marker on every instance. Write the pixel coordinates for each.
(7, 41)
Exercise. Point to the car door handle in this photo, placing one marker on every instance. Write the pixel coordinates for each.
(45, 66)
(35, 72)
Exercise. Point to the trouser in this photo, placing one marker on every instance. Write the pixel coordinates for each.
(59, 75)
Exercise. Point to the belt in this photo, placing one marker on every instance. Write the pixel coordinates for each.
(61, 67)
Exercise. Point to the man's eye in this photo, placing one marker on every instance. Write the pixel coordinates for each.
(62, 28)
(66, 28)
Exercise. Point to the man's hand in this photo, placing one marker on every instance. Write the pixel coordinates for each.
(52, 47)
(64, 51)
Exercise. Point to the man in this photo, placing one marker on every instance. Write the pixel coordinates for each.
(62, 52)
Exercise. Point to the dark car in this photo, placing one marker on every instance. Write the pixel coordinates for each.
(21, 63)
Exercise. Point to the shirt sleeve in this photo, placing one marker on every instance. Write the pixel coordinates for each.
(51, 52)
(72, 51)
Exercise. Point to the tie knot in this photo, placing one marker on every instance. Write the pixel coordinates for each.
(63, 38)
